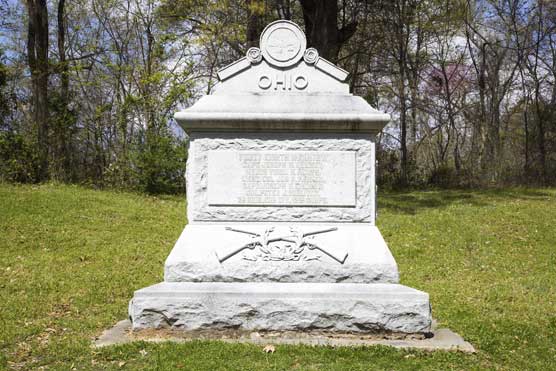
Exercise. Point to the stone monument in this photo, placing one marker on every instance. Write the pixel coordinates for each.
(281, 206)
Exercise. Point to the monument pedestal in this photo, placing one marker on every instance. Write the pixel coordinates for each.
(232, 252)
(281, 206)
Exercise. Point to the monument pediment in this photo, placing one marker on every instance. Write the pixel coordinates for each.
(282, 86)
(282, 65)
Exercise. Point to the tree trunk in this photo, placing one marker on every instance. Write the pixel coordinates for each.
(401, 21)
(254, 26)
(541, 146)
(37, 57)
(404, 164)
(64, 122)
(64, 77)
(403, 137)
(321, 27)
(283, 8)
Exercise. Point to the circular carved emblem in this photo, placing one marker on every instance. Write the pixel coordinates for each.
(283, 43)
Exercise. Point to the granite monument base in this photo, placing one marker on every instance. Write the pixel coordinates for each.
(273, 306)
(281, 252)
(336, 277)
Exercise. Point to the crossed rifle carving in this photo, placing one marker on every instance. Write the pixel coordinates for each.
(262, 240)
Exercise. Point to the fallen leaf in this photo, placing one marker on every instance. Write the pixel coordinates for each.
(269, 349)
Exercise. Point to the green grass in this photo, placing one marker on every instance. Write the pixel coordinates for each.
(71, 258)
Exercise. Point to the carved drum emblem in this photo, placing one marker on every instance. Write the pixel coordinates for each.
(283, 43)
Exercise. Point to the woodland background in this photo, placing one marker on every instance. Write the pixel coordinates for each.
(88, 87)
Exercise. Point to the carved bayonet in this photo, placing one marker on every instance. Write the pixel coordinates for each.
(320, 231)
(242, 231)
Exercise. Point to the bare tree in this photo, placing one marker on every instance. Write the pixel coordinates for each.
(495, 66)
(37, 56)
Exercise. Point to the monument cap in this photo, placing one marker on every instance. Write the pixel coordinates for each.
(282, 86)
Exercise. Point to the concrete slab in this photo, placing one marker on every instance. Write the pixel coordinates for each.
(442, 339)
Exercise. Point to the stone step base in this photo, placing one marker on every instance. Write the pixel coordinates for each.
(335, 307)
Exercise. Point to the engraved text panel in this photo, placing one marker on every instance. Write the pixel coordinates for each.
(297, 178)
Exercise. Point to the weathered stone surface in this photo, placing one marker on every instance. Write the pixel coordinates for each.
(194, 257)
(282, 306)
(197, 176)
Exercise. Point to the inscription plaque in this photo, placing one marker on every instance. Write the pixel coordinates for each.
(281, 178)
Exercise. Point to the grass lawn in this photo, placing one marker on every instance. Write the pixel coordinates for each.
(71, 258)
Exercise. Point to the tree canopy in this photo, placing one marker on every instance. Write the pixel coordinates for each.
(88, 87)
